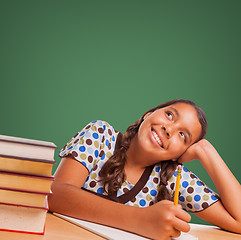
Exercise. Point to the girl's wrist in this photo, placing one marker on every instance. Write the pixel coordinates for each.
(133, 218)
(204, 151)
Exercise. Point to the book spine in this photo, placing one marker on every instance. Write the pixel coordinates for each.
(27, 175)
(16, 205)
(28, 159)
(43, 144)
(18, 231)
(25, 191)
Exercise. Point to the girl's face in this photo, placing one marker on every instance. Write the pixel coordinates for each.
(167, 133)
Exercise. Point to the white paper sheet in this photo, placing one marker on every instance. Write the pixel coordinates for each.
(113, 233)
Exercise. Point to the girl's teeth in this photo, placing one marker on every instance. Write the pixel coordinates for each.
(157, 138)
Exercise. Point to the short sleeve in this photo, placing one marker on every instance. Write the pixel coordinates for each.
(194, 195)
(85, 146)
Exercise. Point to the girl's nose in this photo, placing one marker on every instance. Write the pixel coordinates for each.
(168, 130)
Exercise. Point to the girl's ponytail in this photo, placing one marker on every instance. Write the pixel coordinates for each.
(112, 173)
(167, 170)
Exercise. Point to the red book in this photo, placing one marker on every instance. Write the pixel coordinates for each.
(23, 198)
(29, 166)
(18, 218)
(25, 182)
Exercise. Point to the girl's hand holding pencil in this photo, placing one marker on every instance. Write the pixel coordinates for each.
(167, 220)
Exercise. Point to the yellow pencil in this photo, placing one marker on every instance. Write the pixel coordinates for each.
(176, 195)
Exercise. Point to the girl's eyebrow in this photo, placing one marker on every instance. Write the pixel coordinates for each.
(186, 130)
(175, 110)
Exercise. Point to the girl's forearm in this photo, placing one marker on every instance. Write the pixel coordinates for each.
(227, 185)
(66, 200)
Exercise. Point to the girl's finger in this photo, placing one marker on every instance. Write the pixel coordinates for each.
(181, 225)
(182, 215)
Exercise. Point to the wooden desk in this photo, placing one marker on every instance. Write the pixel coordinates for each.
(206, 232)
(55, 229)
(59, 229)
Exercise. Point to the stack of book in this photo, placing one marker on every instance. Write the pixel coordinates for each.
(25, 182)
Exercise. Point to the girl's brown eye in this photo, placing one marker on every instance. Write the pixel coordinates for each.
(170, 115)
(183, 136)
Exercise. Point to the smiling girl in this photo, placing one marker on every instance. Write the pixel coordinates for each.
(128, 180)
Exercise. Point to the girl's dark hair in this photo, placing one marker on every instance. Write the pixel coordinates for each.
(112, 173)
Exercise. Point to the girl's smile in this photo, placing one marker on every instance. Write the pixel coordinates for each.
(156, 138)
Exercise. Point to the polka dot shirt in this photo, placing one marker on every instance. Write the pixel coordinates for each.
(95, 144)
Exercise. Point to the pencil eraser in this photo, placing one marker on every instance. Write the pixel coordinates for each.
(179, 167)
